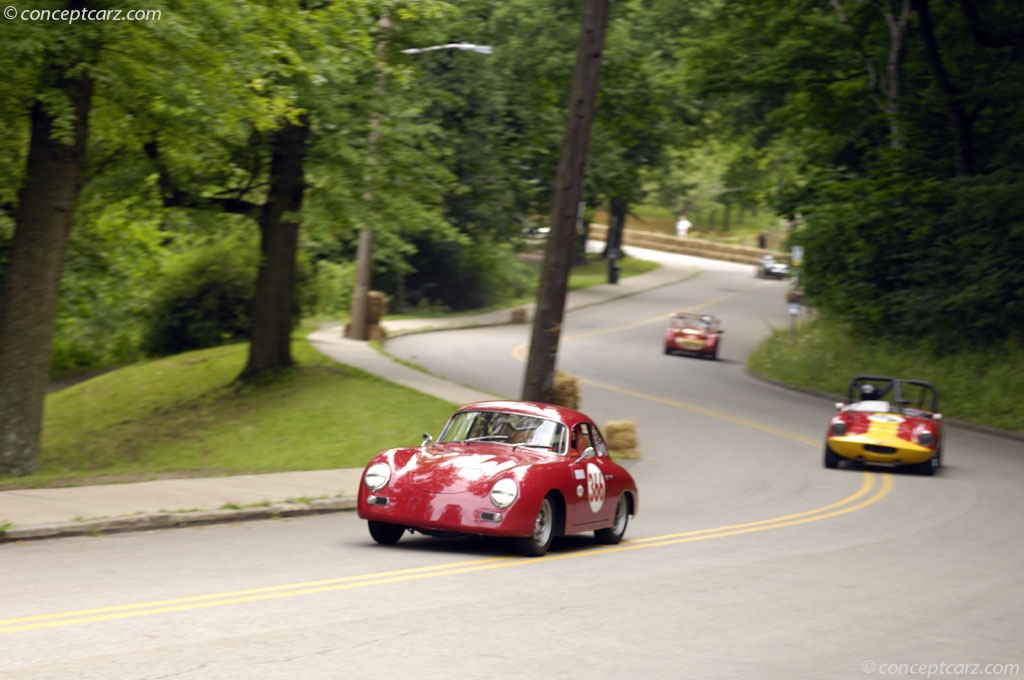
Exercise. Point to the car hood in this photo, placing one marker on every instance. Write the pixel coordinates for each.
(881, 426)
(460, 467)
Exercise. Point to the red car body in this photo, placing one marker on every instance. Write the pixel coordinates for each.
(690, 333)
(525, 470)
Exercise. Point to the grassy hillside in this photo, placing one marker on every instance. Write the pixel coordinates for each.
(183, 416)
(982, 387)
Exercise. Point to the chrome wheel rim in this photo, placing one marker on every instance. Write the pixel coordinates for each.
(620, 516)
(544, 524)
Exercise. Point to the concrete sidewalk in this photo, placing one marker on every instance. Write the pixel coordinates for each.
(45, 513)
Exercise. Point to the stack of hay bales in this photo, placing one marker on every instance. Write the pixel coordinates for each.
(376, 308)
(566, 390)
(622, 438)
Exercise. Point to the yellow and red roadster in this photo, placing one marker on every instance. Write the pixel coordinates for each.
(892, 422)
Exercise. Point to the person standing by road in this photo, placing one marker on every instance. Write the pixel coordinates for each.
(683, 226)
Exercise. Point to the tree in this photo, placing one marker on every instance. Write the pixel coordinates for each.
(54, 174)
(62, 75)
(538, 384)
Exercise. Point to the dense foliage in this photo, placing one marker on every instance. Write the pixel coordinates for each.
(203, 299)
(888, 133)
(897, 131)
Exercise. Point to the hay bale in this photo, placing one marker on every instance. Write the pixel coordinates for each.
(519, 315)
(622, 439)
(566, 390)
(376, 307)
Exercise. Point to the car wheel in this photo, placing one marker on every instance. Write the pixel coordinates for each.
(831, 458)
(538, 543)
(617, 530)
(929, 467)
(385, 533)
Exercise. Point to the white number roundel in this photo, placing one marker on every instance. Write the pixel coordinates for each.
(595, 487)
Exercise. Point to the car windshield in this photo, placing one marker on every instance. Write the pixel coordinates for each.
(693, 322)
(506, 428)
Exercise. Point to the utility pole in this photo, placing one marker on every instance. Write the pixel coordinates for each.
(538, 384)
(358, 327)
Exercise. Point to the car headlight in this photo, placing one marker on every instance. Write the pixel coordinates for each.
(504, 492)
(377, 476)
(839, 428)
(925, 438)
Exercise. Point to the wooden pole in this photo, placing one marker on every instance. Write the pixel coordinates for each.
(538, 384)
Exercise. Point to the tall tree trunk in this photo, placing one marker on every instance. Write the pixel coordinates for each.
(538, 384)
(960, 120)
(888, 81)
(54, 175)
(274, 303)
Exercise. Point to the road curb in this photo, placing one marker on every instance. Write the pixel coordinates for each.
(173, 520)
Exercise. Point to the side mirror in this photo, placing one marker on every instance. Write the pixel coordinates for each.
(839, 405)
(426, 439)
(588, 453)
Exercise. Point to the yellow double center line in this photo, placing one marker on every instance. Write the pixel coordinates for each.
(873, 488)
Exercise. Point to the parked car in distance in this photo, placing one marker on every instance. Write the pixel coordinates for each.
(892, 422)
(523, 470)
(695, 334)
(770, 268)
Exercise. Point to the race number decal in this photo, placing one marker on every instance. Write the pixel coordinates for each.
(595, 487)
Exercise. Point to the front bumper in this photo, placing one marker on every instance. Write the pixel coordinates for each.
(880, 451)
(453, 513)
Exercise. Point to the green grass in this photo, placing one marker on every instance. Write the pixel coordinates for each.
(595, 271)
(982, 387)
(184, 416)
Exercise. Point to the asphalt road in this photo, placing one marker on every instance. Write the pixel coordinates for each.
(748, 559)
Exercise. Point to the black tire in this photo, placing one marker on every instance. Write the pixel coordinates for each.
(613, 534)
(831, 458)
(930, 466)
(538, 543)
(385, 533)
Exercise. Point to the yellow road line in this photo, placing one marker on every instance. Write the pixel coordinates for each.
(848, 504)
(851, 503)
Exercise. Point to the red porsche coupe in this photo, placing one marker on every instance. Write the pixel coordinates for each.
(524, 470)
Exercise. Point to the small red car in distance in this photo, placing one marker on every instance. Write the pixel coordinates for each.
(523, 470)
(893, 422)
(690, 333)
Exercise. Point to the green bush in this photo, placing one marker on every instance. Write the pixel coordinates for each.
(204, 298)
(329, 291)
(466, 275)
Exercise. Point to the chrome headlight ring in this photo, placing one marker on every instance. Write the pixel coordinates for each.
(504, 492)
(377, 476)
